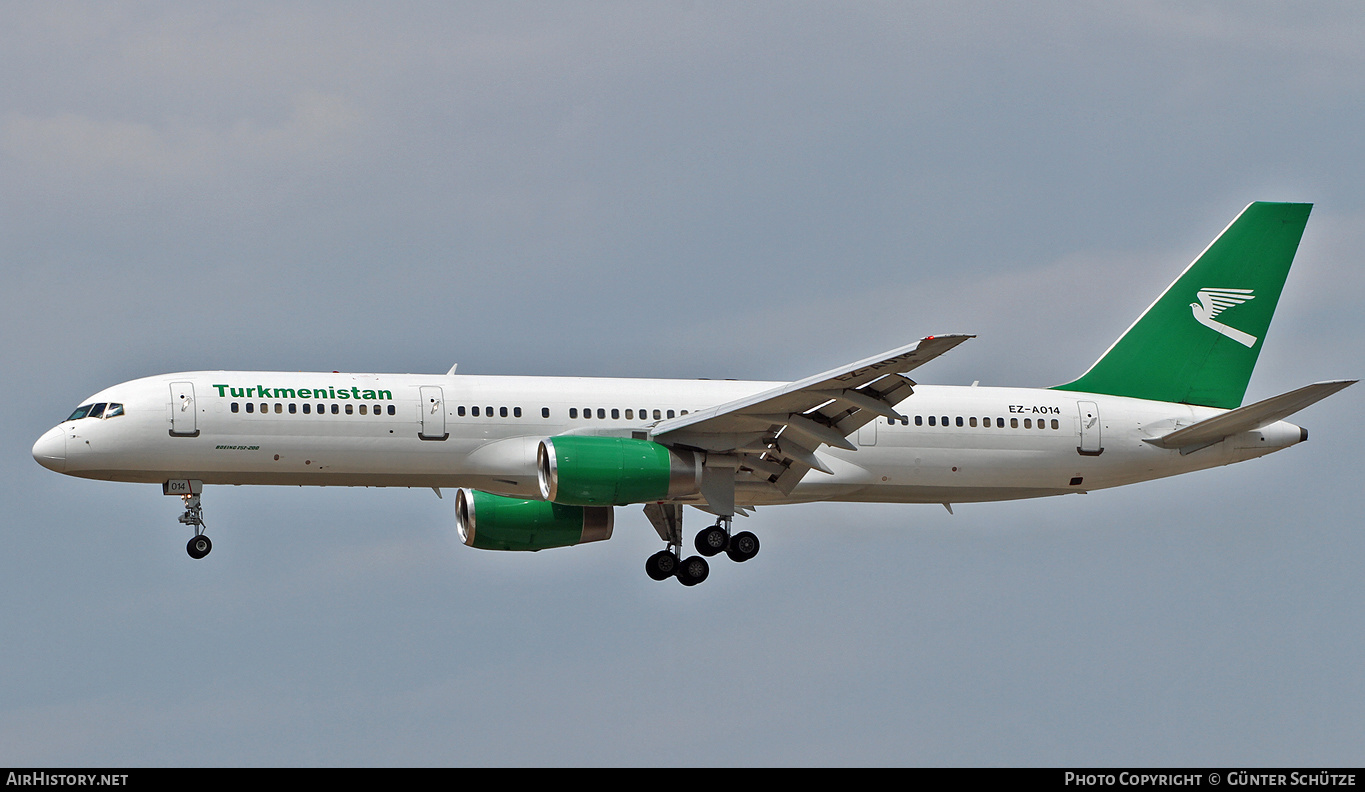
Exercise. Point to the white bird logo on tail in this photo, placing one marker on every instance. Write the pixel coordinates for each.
(1213, 302)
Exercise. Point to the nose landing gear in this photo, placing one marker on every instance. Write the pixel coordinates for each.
(189, 492)
(200, 545)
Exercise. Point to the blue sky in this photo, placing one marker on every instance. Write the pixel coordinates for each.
(761, 191)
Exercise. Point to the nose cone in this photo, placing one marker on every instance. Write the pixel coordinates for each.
(50, 450)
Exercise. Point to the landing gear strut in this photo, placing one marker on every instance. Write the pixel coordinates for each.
(199, 546)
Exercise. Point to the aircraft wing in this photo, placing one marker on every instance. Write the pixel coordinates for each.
(775, 434)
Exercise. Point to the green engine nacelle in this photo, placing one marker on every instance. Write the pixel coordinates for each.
(492, 522)
(613, 471)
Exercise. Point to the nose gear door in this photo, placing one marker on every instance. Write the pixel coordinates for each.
(184, 413)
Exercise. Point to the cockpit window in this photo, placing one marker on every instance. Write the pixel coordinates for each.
(101, 409)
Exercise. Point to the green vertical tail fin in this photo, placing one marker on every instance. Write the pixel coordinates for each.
(1199, 341)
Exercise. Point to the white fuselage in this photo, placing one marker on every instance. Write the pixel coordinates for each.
(423, 431)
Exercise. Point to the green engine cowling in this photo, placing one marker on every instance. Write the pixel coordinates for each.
(613, 471)
(493, 522)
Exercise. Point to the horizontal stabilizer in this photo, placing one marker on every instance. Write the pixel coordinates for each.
(1252, 416)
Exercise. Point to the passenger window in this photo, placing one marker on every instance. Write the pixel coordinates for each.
(350, 410)
(1000, 423)
(293, 408)
(488, 412)
(279, 408)
(251, 408)
(234, 406)
(544, 412)
(919, 420)
(684, 412)
(322, 408)
(1014, 423)
(933, 421)
(1055, 425)
(392, 410)
(336, 408)
(474, 411)
(516, 412)
(265, 408)
(615, 414)
(1028, 423)
(601, 413)
(670, 413)
(502, 412)
(460, 411)
(362, 409)
(959, 420)
(657, 415)
(630, 414)
(307, 409)
(972, 422)
(573, 412)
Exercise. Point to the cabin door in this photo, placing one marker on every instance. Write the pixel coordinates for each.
(184, 414)
(432, 414)
(1091, 444)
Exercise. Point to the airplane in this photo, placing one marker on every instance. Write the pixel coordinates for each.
(543, 462)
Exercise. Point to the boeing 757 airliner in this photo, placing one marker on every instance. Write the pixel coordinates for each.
(543, 462)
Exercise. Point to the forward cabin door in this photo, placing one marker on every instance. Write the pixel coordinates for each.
(184, 414)
(1091, 444)
(432, 414)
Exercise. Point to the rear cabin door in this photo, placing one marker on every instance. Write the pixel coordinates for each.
(184, 413)
(432, 414)
(1091, 444)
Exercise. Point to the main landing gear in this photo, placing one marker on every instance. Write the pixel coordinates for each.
(199, 546)
(710, 541)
